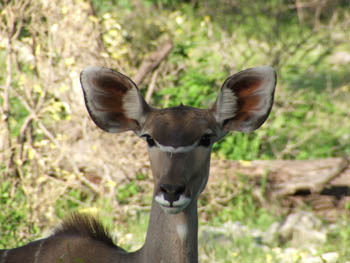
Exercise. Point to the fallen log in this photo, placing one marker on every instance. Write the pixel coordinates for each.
(323, 185)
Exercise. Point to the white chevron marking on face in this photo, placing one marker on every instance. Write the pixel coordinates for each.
(180, 149)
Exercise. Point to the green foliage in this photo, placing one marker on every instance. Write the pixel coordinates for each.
(240, 250)
(126, 191)
(17, 116)
(71, 202)
(14, 216)
(103, 6)
(339, 239)
(243, 207)
(166, 3)
(298, 127)
(132, 235)
(242, 146)
(194, 88)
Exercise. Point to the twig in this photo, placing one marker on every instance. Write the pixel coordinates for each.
(290, 147)
(153, 61)
(47, 132)
(152, 85)
(100, 42)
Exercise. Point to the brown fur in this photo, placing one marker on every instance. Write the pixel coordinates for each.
(174, 126)
(84, 225)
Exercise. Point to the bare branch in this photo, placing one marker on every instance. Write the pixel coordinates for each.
(153, 61)
(152, 85)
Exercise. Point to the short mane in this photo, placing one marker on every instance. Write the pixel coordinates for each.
(85, 225)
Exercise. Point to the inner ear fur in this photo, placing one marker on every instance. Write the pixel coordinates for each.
(246, 99)
(112, 100)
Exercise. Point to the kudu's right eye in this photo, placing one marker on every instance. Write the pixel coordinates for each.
(205, 140)
(149, 140)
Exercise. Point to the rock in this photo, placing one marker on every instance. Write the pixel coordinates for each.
(290, 251)
(215, 234)
(270, 236)
(237, 229)
(311, 260)
(303, 229)
(330, 257)
(306, 238)
(288, 255)
(306, 219)
(227, 233)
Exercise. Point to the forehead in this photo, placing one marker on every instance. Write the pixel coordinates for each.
(179, 126)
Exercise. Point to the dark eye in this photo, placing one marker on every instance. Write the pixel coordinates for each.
(149, 140)
(205, 140)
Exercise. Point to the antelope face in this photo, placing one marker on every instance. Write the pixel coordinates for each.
(179, 144)
(179, 139)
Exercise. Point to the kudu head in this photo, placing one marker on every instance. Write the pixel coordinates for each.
(179, 138)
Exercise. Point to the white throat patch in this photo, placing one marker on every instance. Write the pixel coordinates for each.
(182, 231)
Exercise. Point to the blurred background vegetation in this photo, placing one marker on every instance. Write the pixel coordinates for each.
(54, 161)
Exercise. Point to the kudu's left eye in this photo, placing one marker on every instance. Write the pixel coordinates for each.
(149, 140)
(205, 140)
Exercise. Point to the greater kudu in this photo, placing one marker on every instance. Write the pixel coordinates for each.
(179, 142)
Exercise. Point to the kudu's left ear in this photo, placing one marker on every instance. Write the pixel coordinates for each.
(113, 100)
(245, 99)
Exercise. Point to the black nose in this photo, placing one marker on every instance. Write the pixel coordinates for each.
(172, 192)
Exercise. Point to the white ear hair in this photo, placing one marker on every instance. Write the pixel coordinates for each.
(226, 105)
(133, 105)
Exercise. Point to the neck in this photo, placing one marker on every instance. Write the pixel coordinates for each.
(171, 238)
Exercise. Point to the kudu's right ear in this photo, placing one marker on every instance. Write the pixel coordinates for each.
(113, 100)
(245, 99)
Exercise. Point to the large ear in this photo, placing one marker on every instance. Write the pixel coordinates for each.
(113, 100)
(245, 99)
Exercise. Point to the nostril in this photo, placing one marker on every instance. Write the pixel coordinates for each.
(180, 189)
(164, 188)
(171, 192)
(172, 189)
